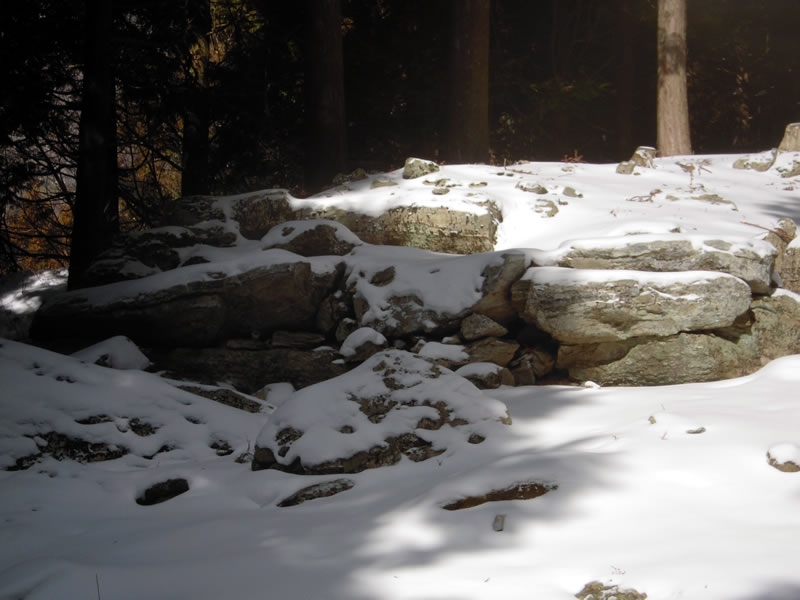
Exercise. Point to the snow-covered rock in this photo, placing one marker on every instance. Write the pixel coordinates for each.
(393, 405)
(580, 306)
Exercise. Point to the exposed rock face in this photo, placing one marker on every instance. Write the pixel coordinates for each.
(249, 369)
(439, 229)
(335, 427)
(789, 270)
(476, 326)
(143, 253)
(791, 138)
(312, 238)
(491, 350)
(325, 489)
(163, 491)
(750, 260)
(776, 327)
(495, 302)
(202, 312)
(416, 167)
(682, 358)
(583, 306)
(255, 214)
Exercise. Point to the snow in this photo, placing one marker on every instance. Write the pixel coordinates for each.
(358, 338)
(666, 489)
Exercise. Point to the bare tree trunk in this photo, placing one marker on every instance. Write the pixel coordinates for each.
(326, 150)
(467, 118)
(626, 78)
(196, 117)
(96, 212)
(672, 130)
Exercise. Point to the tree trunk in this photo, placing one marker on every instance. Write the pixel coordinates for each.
(673, 106)
(326, 150)
(467, 118)
(626, 78)
(196, 117)
(96, 211)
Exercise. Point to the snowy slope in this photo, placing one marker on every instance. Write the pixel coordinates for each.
(665, 490)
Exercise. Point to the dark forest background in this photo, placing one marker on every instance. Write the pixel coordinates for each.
(223, 96)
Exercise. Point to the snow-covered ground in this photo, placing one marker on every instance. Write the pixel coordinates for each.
(665, 490)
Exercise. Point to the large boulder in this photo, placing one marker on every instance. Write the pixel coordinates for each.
(589, 306)
(682, 358)
(791, 138)
(436, 228)
(749, 259)
(249, 369)
(312, 238)
(776, 325)
(395, 405)
(207, 307)
(142, 253)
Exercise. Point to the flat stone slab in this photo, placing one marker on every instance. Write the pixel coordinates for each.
(579, 306)
(748, 259)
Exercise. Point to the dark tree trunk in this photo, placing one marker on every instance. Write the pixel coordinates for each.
(197, 114)
(326, 150)
(96, 211)
(673, 105)
(626, 76)
(467, 117)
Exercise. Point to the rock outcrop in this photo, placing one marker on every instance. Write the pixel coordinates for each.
(308, 300)
(590, 306)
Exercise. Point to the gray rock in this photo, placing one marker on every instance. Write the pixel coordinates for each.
(595, 590)
(495, 302)
(416, 167)
(326, 489)
(761, 162)
(644, 156)
(626, 167)
(477, 326)
(249, 370)
(210, 308)
(326, 238)
(486, 376)
(776, 325)
(583, 306)
(682, 358)
(491, 350)
(750, 260)
(791, 138)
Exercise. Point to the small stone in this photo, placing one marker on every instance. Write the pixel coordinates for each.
(499, 522)
(626, 167)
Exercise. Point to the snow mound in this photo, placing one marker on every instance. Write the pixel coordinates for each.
(393, 405)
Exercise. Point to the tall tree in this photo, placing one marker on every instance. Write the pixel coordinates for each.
(467, 132)
(326, 150)
(96, 211)
(197, 114)
(672, 109)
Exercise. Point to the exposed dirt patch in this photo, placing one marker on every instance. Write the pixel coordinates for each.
(226, 397)
(520, 491)
(163, 491)
(60, 446)
(595, 590)
(318, 490)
